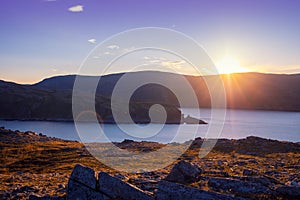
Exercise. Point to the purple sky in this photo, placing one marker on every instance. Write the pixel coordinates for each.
(40, 38)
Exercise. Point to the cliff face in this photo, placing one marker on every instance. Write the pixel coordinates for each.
(52, 98)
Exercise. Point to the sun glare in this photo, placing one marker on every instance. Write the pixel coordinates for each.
(228, 65)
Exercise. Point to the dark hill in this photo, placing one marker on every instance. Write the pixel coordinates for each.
(244, 90)
(52, 97)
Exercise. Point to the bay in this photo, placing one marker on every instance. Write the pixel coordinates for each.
(284, 126)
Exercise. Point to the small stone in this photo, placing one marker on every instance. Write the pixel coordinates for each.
(249, 172)
(9, 180)
(252, 161)
(292, 183)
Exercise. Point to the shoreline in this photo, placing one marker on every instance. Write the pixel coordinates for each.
(159, 142)
(137, 140)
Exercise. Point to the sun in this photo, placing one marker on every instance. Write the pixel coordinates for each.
(228, 65)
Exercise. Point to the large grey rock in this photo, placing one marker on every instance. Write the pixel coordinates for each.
(117, 189)
(266, 181)
(288, 192)
(84, 175)
(174, 191)
(239, 187)
(79, 191)
(35, 197)
(184, 172)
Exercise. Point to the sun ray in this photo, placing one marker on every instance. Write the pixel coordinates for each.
(229, 64)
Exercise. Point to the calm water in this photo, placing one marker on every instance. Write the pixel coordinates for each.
(238, 124)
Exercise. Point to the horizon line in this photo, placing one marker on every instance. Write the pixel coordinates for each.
(117, 73)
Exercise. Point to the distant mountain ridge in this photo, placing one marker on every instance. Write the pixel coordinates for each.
(52, 97)
(251, 90)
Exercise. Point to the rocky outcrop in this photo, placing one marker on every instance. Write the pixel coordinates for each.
(83, 184)
(7, 136)
(192, 120)
(184, 172)
(217, 176)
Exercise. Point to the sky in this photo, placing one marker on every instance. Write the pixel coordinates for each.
(44, 38)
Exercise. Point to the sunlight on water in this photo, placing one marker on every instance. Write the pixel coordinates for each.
(238, 124)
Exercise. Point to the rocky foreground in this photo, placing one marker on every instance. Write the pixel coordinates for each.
(38, 167)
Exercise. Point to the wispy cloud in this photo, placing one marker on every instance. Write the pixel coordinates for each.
(178, 64)
(172, 64)
(77, 8)
(126, 50)
(113, 46)
(155, 61)
(108, 53)
(92, 40)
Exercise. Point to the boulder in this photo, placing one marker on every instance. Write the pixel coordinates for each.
(79, 191)
(239, 187)
(84, 175)
(117, 189)
(35, 197)
(82, 185)
(264, 180)
(184, 172)
(288, 192)
(174, 191)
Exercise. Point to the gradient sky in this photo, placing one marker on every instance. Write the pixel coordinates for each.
(40, 38)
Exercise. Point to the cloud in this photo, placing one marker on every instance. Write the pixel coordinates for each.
(54, 69)
(92, 40)
(155, 61)
(178, 64)
(113, 46)
(77, 8)
(126, 50)
(172, 64)
(107, 53)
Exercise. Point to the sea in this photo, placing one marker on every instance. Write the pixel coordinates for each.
(236, 124)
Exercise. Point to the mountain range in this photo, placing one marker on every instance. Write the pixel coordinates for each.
(51, 99)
